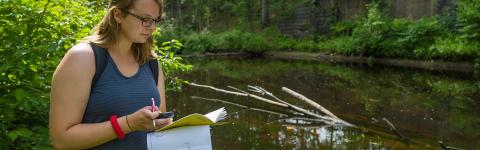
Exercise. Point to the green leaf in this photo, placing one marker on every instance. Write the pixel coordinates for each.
(20, 94)
(21, 132)
(33, 68)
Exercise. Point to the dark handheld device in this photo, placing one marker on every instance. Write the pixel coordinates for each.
(164, 115)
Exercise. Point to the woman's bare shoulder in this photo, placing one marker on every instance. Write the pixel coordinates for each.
(79, 50)
(79, 59)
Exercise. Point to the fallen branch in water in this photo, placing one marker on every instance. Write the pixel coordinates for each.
(242, 106)
(329, 117)
(310, 120)
(241, 94)
(316, 105)
(265, 92)
(305, 99)
(298, 109)
(394, 129)
(446, 147)
(265, 111)
(305, 126)
(305, 122)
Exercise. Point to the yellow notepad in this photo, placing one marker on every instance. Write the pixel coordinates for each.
(211, 118)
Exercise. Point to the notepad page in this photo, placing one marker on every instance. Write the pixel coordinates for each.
(217, 115)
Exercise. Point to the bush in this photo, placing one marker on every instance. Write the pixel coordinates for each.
(372, 31)
(374, 35)
(468, 12)
(227, 41)
(305, 45)
(380, 37)
(345, 45)
(344, 28)
(450, 48)
(407, 35)
(171, 64)
(35, 36)
(198, 42)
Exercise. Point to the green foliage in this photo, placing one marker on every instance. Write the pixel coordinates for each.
(199, 42)
(305, 45)
(469, 19)
(285, 8)
(377, 36)
(345, 45)
(34, 35)
(372, 30)
(199, 15)
(343, 28)
(406, 35)
(461, 45)
(450, 48)
(421, 39)
(236, 40)
(232, 40)
(172, 64)
(224, 25)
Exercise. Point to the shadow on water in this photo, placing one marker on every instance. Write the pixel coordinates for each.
(425, 106)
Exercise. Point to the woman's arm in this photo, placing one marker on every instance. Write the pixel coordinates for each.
(161, 88)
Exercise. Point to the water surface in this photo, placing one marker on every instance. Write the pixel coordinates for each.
(425, 106)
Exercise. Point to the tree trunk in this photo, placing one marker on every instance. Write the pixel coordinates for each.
(179, 11)
(265, 14)
(250, 15)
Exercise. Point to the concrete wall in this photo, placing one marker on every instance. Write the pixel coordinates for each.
(318, 17)
(299, 25)
(414, 9)
(351, 9)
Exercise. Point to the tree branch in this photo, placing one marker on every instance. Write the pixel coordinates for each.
(241, 94)
(238, 105)
(316, 105)
(265, 92)
(41, 19)
(394, 129)
(305, 99)
(330, 118)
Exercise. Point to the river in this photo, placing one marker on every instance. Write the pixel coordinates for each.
(424, 106)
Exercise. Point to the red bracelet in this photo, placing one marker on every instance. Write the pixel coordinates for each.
(116, 127)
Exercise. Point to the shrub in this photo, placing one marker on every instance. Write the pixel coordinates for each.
(198, 42)
(450, 48)
(469, 19)
(371, 31)
(345, 45)
(34, 37)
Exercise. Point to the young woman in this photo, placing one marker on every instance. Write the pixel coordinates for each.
(116, 111)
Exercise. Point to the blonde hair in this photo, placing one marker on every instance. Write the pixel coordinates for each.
(106, 32)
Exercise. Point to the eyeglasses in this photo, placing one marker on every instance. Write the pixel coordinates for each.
(146, 21)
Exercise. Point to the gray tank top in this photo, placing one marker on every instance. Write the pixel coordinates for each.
(115, 94)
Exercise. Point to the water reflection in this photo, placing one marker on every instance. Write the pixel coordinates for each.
(425, 106)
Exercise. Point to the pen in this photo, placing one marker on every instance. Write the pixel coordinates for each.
(153, 109)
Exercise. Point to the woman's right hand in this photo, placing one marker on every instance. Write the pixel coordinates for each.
(142, 119)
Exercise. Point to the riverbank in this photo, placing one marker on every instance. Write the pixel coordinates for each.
(467, 67)
(434, 65)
